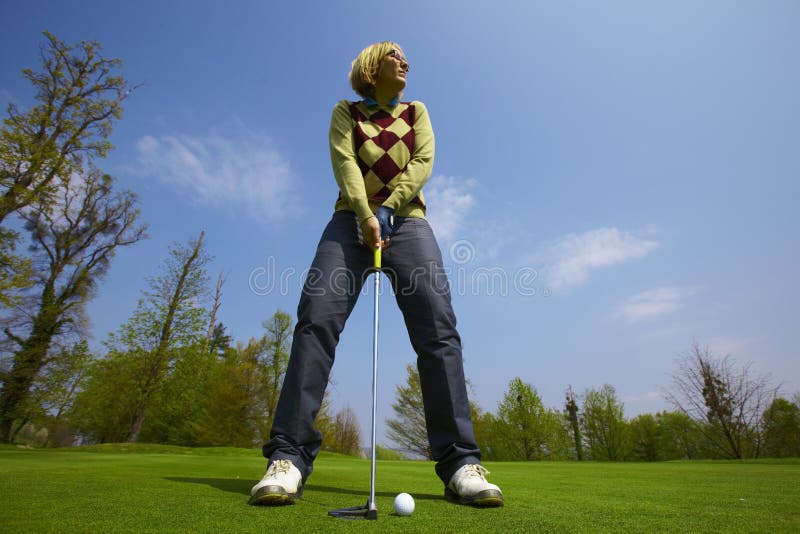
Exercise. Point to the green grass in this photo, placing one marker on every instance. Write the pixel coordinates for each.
(149, 488)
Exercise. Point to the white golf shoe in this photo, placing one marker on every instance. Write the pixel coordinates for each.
(469, 486)
(281, 485)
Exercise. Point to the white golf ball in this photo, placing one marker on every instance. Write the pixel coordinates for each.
(404, 504)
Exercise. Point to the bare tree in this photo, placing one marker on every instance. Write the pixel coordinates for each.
(347, 433)
(725, 400)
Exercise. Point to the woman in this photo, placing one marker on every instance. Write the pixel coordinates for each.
(382, 154)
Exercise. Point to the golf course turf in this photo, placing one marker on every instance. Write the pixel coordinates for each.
(153, 488)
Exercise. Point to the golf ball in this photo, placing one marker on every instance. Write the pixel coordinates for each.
(404, 504)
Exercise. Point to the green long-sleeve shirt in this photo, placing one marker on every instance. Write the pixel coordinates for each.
(381, 155)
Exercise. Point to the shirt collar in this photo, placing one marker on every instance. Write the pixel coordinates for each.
(372, 102)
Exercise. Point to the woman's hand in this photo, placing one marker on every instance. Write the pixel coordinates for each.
(385, 217)
(371, 234)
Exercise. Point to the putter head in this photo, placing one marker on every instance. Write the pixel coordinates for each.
(356, 512)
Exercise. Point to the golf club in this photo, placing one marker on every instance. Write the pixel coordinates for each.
(370, 510)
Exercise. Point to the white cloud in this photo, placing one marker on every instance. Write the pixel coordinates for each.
(571, 260)
(652, 303)
(449, 202)
(241, 171)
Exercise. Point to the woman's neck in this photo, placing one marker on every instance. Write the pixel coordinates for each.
(384, 96)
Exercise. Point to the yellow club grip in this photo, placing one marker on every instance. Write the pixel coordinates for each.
(378, 257)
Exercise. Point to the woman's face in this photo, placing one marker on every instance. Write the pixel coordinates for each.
(392, 72)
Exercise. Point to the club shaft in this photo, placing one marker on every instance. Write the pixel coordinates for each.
(372, 505)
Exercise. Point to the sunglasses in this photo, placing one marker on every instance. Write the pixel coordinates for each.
(399, 57)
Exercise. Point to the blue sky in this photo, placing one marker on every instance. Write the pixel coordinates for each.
(614, 181)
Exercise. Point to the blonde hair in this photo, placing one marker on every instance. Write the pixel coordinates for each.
(365, 67)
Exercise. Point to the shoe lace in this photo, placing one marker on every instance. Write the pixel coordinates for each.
(476, 471)
(279, 466)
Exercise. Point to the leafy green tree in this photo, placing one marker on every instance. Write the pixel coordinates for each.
(103, 410)
(525, 429)
(73, 243)
(604, 426)
(407, 429)
(80, 96)
(16, 272)
(178, 404)
(243, 389)
(220, 340)
(679, 437)
(482, 429)
(232, 411)
(275, 361)
(645, 437)
(56, 387)
(158, 362)
(168, 320)
(666, 436)
(781, 423)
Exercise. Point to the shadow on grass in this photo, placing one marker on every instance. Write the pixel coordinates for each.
(241, 486)
(232, 485)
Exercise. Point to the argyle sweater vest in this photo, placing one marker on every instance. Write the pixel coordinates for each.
(383, 146)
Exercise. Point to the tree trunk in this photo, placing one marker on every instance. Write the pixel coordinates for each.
(136, 427)
(28, 361)
(572, 409)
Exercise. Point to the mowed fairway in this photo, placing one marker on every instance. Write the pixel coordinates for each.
(172, 489)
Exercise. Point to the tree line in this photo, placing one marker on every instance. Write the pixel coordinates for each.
(170, 374)
(721, 410)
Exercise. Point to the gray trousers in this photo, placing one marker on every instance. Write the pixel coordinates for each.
(413, 264)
